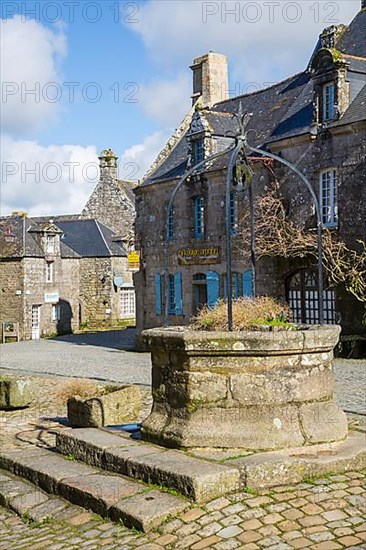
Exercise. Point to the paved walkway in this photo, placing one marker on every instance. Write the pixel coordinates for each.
(108, 356)
(100, 355)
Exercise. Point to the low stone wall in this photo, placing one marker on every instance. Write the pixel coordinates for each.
(252, 390)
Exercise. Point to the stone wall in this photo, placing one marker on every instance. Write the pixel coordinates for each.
(65, 283)
(98, 294)
(11, 304)
(110, 205)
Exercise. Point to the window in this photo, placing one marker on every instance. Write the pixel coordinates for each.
(56, 312)
(329, 101)
(199, 217)
(303, 299)
(50, 244)
(233, 213)
(198, 152)
(329, 198)
(171, 225)
(175, 304)
(49, 272)
(128, 303)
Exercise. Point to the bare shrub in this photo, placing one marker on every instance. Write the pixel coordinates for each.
(78, 387)
(248, 313)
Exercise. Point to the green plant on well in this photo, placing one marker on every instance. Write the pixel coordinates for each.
(248, 314)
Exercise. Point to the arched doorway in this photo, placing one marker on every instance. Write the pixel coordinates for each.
(303, 298)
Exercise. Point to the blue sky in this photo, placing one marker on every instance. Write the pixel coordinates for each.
(143, 51)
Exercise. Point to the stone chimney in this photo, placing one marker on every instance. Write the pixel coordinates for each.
(210, 79)
(108, 164)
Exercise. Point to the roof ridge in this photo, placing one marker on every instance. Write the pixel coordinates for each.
(262, 89)
(103, 238)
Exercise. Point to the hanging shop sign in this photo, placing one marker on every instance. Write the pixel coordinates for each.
(133, 261)
(199, 256)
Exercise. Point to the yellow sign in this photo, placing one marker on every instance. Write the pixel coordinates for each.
(133, 261)
(189, 256)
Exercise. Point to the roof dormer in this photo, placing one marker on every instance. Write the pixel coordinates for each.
(329, 73)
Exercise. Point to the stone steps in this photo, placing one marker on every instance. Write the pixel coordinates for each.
(197, 479)
(31, 503)
(109, 495)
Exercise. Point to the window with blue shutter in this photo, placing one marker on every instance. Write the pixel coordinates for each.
(233, 213)
(199, 217)
(213, 288)
(248, 284)
(171, 224)
(158, 295)
(178, 294)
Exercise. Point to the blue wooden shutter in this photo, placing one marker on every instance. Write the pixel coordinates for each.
(178, 294)
(248, 284)
(213, 288)
(158, 304)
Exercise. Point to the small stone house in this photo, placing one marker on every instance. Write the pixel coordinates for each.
(315, 119)
(62, 272)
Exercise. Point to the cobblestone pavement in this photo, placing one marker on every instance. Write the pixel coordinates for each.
(324, 515)
(108, 356)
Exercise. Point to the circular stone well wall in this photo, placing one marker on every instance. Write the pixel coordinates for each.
(255, 390)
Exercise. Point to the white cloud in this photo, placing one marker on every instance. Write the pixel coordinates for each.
(167, 101)
(46, 180)
(136, 160)
(262, 43)
(30, 60)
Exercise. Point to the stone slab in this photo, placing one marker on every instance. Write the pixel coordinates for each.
(98, 491)
(23, 504)
(43, 468)
(197, 479)
(15, 393)
(148, 510)
(264, 470)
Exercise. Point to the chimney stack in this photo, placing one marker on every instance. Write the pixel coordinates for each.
(210, 79)
(108, 165)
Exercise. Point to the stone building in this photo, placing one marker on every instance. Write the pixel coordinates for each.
(315, 119)
(112, 201)
(58, 273)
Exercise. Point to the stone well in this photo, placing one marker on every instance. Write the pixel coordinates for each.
(255, 390)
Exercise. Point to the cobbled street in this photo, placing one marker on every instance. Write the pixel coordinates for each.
(320, 514)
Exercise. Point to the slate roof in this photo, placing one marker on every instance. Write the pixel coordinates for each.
(89, 238)
(80, 237)
(353, 39)
(280, 111)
